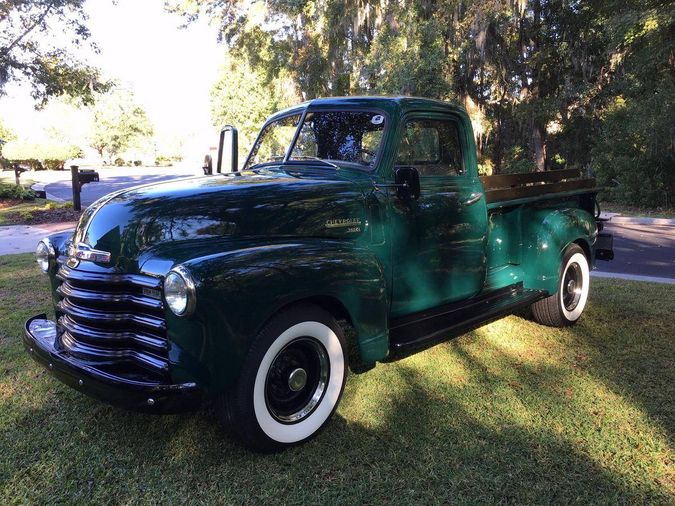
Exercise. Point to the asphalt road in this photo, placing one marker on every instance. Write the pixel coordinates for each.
(644, 250)
(108, 184)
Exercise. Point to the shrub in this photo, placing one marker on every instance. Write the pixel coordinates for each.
(13, 191)
(119, 162)
(634, 149)
(40, 155)
(137, 163)
(163, 161)
(517, 161)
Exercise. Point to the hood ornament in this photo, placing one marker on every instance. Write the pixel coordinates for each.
(82, 251)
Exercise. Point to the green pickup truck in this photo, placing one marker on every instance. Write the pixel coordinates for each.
(358, 231)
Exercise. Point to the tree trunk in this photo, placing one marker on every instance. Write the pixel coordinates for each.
(539, 146)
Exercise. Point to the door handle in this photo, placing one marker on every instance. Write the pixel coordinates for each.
(473, 198)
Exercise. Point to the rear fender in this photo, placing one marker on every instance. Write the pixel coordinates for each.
(239, 291)
(546, 235)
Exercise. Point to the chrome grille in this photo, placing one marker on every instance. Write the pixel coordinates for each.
(113, 321)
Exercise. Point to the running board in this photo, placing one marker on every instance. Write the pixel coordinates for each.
(422, 330)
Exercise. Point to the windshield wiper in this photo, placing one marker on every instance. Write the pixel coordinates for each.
(316, 159)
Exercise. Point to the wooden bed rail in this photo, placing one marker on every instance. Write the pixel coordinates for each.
(532, 184)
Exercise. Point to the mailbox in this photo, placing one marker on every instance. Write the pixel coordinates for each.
(79, 178)
(87, 176)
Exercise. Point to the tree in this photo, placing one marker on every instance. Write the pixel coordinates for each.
(118, 122)
(547, 83)
(6, 133)
(241, 97)
(38, 155)
(636, 110)
(25, 54)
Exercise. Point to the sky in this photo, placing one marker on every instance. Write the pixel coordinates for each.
(169, 69)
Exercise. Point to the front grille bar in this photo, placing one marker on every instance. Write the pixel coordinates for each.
(87, 333)
(97, 315)
(68, 290)
(99, 354)
(66, 273)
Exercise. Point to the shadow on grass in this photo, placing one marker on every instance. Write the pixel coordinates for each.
(632, 349)
(423, 448)
(475, 420)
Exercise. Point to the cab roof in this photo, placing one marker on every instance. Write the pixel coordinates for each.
(394, 105)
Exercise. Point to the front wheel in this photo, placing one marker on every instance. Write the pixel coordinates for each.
(291, 381)
(564, 307)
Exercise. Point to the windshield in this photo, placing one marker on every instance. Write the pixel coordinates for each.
(340, 138)
(274, 140)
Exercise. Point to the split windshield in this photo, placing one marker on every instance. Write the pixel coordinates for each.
(340, 138)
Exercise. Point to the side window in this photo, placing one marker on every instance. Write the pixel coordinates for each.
(431, 146)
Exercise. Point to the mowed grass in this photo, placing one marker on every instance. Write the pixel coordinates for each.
(513, 412)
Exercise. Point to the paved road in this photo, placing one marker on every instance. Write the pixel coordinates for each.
(112, 180)
(645, 250)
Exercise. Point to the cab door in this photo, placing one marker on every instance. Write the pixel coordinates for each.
(438, 241)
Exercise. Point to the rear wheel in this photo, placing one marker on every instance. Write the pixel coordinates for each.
(566, 305)
(291, 382)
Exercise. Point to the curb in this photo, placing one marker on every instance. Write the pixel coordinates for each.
(642, 221)
(633, 277)
(635, 220)
(41, 187)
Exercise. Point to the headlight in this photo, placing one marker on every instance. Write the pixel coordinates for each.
(179, 291)
(43, 253)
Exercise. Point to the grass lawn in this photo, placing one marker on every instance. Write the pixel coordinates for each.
(513, 412)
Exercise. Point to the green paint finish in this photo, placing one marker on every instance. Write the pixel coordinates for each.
(261, 240)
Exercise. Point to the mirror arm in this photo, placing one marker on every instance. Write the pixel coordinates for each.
(377, 185)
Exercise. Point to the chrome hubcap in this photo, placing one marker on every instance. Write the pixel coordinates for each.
(297, 379)
(573, 284)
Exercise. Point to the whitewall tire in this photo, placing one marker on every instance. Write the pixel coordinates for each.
(292, 380)
(564, 307)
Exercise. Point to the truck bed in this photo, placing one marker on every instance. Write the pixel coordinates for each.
(511, 189)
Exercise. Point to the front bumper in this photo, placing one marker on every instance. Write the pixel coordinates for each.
(40, 341)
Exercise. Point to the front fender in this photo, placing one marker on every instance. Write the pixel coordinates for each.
(546, 235)
(238, 291)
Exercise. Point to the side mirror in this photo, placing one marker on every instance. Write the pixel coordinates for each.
(228, 146)
(407, 181)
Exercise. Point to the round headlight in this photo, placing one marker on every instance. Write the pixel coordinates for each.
(179, 292)
(42, 255)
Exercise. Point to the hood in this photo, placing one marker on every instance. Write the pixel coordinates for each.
(194, 213)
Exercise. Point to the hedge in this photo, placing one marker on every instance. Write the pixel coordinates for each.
(40, 155)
